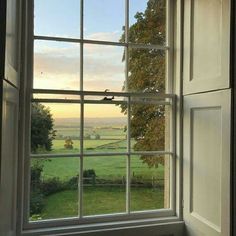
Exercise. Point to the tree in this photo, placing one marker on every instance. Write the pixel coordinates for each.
(68, 143)
(147, 74)
(42, 128)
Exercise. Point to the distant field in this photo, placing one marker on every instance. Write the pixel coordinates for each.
(58, 145)
(104, 132)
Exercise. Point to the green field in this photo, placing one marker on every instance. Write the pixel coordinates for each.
(99, 199)
(105, 167)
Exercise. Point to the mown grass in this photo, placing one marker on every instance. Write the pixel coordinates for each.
(101, 200)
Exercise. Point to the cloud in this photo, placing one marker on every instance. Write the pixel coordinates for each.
(103, 67)
(105, 36)
(57, 65)
(44, 64)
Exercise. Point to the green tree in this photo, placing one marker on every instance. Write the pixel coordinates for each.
(42, 128)
(68, 143)
(147, 74)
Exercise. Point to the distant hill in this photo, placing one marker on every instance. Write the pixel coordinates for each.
(106, 121)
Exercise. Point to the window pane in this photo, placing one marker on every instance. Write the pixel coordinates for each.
(57, 18)
(104, 67)
(104, 185)
(149, 182)
(54, 188)
(104, 19)
(147, 21)
(56, 65)
(147, 70)
(56, 96)
(55, 128)
(150, 127)
(104, 129)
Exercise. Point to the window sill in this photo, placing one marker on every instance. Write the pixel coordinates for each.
(148, 227)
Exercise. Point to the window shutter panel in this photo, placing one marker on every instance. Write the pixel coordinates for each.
(206, 45)
(206, 117)
(9, 112)
(12, 51)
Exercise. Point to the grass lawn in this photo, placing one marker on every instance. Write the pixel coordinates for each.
(101, 200)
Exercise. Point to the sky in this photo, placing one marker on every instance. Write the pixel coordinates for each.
(57, 64)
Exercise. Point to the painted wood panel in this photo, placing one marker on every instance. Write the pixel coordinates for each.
(12, 52)
(8, 177)
(207, 163)
(206, 45)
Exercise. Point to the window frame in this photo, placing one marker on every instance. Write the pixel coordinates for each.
(150, 215)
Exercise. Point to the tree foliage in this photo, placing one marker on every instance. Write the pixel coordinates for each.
(42, 128)
(68, 143)
(147, 74)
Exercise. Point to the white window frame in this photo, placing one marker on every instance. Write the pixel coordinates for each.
(163, 215)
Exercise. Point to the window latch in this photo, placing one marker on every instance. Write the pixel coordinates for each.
(108, 98)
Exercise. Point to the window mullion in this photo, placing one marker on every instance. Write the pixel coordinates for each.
(128, 180)
(81, 157)
(128, 105)
(81, 109)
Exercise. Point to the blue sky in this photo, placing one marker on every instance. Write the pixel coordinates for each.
(62, 18)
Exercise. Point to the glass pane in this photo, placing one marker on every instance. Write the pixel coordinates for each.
(56, 65)
(57, 18)
(104, 185)
(54, 188)
(56, 96)
(147, 70)
(104, 129)
(104, 68)
(150, 127)
(149, 182)
(55, 128)
(104, 19)
(147, 20)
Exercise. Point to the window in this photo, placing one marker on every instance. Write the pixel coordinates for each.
(101, 111)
